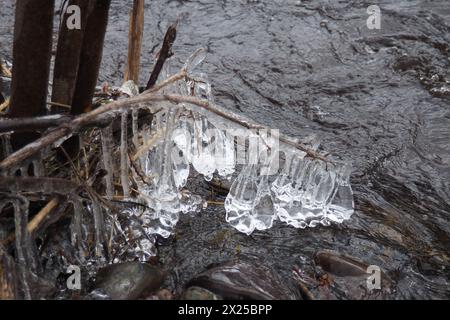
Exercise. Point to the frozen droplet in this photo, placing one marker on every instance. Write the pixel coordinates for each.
(194, 60)
(263, 209)
(202, 154)
(124, 163)
(224, 153)
(107, 147)
(341, 205)
(240, 200)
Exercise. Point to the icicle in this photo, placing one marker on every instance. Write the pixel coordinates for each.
(224, 153)
(124, 164)
(23, 243)
(303, 194)
(309, 181)
(135, 127)
(181, 151)
(180, 166)
(288, 192)
(77, 226)
(99, 228)
(240, 200)
(165, 199)
(341, 206)
(165, 74)
(263, 208)
(166, 163)
(194, 60)
(318, 191)
(202, 154)
(38, 168)
(107, 145)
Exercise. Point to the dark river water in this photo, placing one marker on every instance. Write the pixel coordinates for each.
(377, 98)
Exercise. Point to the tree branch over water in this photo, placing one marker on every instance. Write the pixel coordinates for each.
(111, 110)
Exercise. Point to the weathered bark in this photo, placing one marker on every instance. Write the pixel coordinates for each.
(31, 55)
(35, 123)
(91, 57)
(164, 54)
(70, 43)
(135, 41)
(88, 71)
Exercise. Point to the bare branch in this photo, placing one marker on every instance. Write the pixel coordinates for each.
(111, 110)
(27, 124)
(164, 54)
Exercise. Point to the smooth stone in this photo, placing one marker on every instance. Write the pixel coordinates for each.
(340, 265)
(128, 280)
(349, 278)
(242, 280)
(198, 293)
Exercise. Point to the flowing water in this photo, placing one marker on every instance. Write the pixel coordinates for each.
(376, 98)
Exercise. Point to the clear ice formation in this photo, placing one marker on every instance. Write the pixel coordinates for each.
(302, 192)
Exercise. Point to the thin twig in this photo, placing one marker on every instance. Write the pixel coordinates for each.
(5, 71)
(164, 54)
(4, 105)
(35, 123)
(180, 75)
(62, 105)
(135, 41)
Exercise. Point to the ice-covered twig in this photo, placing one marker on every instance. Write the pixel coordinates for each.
(178, 76)
(124, 165)
(112, 110)
(205, 104)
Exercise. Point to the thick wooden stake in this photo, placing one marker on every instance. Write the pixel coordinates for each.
(70, 43)
(91, 57)
(32, 48)
(135, 41)
(89, 67)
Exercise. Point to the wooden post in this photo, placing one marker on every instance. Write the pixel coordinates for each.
(32, 48)
(70, 43)
(135, 41)
(89, 68)
(91, 57)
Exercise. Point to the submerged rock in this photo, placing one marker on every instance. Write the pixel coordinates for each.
(340, 265)
(346, 277)
(238, 280)
(198, 293)
(128, 281)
